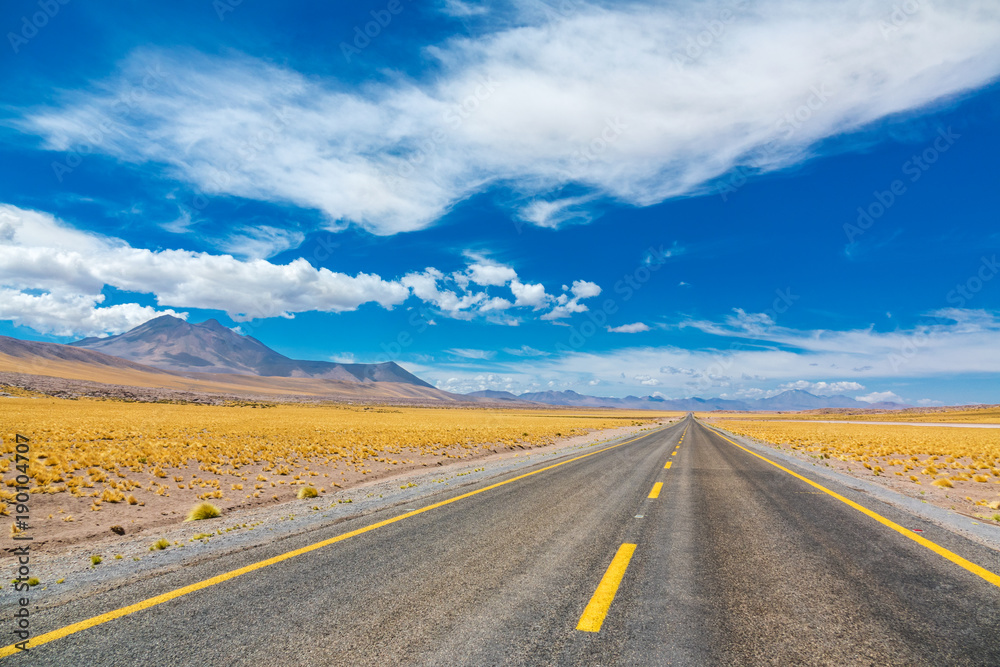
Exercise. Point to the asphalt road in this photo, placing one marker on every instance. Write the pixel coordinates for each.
(735, 562)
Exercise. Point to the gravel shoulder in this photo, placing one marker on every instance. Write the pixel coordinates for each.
(131, 557)
(933, 505)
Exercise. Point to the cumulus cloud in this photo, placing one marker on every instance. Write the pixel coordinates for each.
(881, 396)
(74, 314)
(823, 388)
(636, 327)
(566, 305)
(47, 267)
(627, 101)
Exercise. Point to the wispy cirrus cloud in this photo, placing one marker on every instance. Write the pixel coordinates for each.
(529, 105)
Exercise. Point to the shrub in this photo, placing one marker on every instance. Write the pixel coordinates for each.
(117, 530)
(112, 496)
(307, 492)
(160, 544)
(944, 483)
(203, 511)
(95, 560)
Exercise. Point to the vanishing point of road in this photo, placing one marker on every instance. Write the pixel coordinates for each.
(676, 547)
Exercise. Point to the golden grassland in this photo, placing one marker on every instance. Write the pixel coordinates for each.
(989, 414)
(939, 455)
(117, 452)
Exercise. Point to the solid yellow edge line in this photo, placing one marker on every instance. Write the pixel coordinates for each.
(655, 493)
(977, 570)
(226, 576)
(597, 609)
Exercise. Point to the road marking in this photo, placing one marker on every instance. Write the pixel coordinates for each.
(673, 453)
(226, 576)
(597, 608)
(655, 493)
(669, 463)
(977, 570)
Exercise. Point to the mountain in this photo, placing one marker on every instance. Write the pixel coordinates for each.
(67, 370)
(788, 400)
(497, 396)
(171, 344)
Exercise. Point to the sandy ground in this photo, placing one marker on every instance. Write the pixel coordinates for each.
(979, 500)
(64, 519)
(843, 421)
(62, 550)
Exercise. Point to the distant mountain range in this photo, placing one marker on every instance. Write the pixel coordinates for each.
(169, 352)
(172, 344)
(168, 355)
(795, 399)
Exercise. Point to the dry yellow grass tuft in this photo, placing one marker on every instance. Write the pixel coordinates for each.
(116, 444)
(203, 511)
(307, 492)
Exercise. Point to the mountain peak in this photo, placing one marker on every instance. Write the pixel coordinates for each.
(170, 343)
(215, 325)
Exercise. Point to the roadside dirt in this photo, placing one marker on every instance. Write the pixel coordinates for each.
(62, 550)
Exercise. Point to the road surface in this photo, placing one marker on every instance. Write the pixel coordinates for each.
(733, 561)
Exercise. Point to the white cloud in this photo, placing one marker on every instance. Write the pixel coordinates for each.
(532, 296)
(824, 362)
(525, 351)
(557, 212)
(261, 242)
(50, 263)
(490, 274)
(880, 396)
(636, 327)
(823, 388)
(566, 305)
(584, 290)
(602, 97)
(466, 353)
(74, 314)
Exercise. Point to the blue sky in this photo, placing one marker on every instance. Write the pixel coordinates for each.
(715, 198)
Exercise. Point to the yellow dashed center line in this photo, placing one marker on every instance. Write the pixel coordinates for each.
(655, 493)
(977, 570)
(669, 463)
(597, 609)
